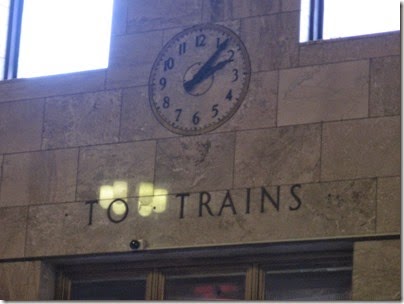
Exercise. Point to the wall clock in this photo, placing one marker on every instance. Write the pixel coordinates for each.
(199, 79)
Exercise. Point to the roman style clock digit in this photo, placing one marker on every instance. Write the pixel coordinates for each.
(199, 79)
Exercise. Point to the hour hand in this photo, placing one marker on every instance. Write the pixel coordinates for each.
(219, 66)
(216, 68)
(204, 71)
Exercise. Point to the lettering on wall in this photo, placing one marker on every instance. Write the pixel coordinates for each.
(207, 206)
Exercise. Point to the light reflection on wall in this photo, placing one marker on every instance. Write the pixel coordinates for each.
(150, 199)
(108, 193)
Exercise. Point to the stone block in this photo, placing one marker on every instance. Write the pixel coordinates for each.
(138, 121)
(377, 271)
(144, 16)
(61, 229)
(258, 110)
(385, 86)
(278, 156)
(354, 48)
(208, 218)
(13, 223)
(104, 165)
(272, 41)
(242, 8)
(20, 281)
(128, 76)
(81, 82)
(39, 177)
(323, 93)
(361, 148)
(217, 10)
(21, 125)
(220, 10)
(290, 5)
(119, 17)
(134, 49)
(389, 205)
(64, 229)
(84, 119)
(236, 217)
(195, 163)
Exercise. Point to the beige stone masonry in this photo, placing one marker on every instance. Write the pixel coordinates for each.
(138, 121)
(134, 49)
(278, 156)
(195, 163)
(103, 165)
(258, 109)
(81, 120)
(242, 9)
(131, 58)
(272, 41)
(225, 217)
(377, 271)
(389, 205)
(119, 17)
(128, 76)
(385, 81)
(39, 177)
(21, 125)
(361, 148)
(160, 14)
(26, 281)
(290, 5)
(323, 93)
(345, 49)
(216, 11)
(13, 223)
(81, 82)
(19, 281)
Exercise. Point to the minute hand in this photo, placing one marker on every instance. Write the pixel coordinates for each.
(217, 67)
(202, 72)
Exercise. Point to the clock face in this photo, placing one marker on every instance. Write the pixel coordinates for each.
(199, 79)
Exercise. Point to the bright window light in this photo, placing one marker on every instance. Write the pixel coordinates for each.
(64, 36)
(346, 18)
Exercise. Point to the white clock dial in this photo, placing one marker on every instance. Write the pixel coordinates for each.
(199, 79)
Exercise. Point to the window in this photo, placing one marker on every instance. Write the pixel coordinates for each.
(49, 37)
(4, 10)
(328, 19)
(276, 272)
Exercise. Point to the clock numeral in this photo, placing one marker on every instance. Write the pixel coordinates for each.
(235, 75)
(182, 48)
(231, 52)
(200, 40)
(166, 102)
(195, 118)
(168, 64)
(215, 110)
(178, 111)
(229, 95)
(163, 83)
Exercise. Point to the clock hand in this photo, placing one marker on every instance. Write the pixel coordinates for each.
(217, 67)
(201, 74)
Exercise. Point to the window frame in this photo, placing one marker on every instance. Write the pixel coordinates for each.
(157, 265)
(13, 39)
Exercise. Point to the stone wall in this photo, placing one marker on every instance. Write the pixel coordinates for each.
(318, 133)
